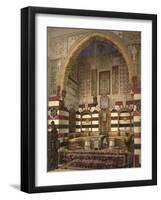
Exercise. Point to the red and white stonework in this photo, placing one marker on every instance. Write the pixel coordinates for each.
(96, 74)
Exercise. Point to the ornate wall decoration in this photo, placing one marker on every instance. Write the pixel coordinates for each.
(85, 83)
(72, 94)
(115, 79)
(104, 83)
(94, 82)
(72, 39)
(59, 48)
(124, 78)
(52, 77)
(119, 33)
(104, 102)
(74, 74)
(76, 49)
(104, 121)
(52, 112)
(134, 53)
(88, 97)
(72, 121)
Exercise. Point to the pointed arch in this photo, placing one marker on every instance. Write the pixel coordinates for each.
(82, 43)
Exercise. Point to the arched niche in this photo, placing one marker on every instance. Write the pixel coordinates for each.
(84, 42)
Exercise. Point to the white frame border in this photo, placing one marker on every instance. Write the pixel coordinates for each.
(42, 178)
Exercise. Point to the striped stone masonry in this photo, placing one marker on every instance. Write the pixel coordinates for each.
(61, 118)
(115, 116)
(121, 118)
(114, 120)
(87, 121)
(95, 121)
(137, 130)
(124, 118)
(125, 121)
(78, 122)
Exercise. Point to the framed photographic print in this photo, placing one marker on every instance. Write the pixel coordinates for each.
(88, 99)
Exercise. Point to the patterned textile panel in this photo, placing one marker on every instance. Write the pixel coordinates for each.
(99, 160)
(97, 164)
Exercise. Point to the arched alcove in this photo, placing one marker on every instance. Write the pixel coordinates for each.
(85, 41)
(90, 108)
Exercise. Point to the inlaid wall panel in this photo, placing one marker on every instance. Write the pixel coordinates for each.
(115, 79)
(104, 83)
(52, 76)
(94, 82)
